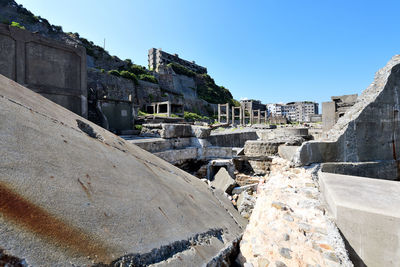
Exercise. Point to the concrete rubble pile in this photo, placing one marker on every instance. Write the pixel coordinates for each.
(289, 225)
(72, 193)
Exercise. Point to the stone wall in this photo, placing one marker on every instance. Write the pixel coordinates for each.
(111, 101)
(50, 68)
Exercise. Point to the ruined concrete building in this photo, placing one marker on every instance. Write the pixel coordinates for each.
(50, 68)
(157, 58)
(251, 104)
(333, 110)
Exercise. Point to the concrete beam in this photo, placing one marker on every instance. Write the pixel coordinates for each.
(367, 213)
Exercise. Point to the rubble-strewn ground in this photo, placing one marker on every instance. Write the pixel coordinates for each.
(289, 225)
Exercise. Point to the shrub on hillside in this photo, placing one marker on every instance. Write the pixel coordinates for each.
(191, 116)
(16, 24)
(113, 72)
(179, 69)
(129, 75)
(148, 78)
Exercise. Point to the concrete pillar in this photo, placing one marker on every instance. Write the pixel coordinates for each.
(227, 113)
(258, 116)
(168, 109)
(241, 115)
(266, 117)
(219, 113)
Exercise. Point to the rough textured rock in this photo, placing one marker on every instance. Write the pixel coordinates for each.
(223, 181)
(75, 194)
(245, 204)
(369, 130)
(256, 148)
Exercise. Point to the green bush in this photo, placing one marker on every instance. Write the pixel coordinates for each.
(148, 78)
(191, 116)
(179, 69)
(129, 75)
(142, 113)
(113, 72)
(212, 93)
(137, 69)
(138, 127)
(16, 24)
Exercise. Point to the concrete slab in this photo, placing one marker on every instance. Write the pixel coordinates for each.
(367, 213)
(72, 193)
(223, 181)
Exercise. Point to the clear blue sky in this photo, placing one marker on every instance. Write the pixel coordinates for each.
(272, 50)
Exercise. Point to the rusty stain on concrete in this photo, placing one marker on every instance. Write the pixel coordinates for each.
(40, 222)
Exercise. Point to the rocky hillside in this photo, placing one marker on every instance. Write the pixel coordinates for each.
(198, 92)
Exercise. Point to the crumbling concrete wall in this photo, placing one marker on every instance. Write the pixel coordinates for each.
(52, 69)
(369, 131)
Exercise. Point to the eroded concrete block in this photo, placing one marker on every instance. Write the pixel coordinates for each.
(257, 148)
(171, 130)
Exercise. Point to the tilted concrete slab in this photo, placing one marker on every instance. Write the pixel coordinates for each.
(74, 193)
(369, 130)
(367, 213)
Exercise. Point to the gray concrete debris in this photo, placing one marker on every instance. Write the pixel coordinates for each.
(170, 130)
(201, 132)
(67, 198)
(223, 181)
(215, 164)
(245, 204)
(240, 189)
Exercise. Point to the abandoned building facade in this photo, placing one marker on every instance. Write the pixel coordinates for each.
(158, 57)
(302, 111)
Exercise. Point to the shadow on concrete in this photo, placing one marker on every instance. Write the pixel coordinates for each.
(355, 259)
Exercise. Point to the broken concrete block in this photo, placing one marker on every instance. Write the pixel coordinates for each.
(223, 181)
(240, 189)
(201, 132)
(171, 130)
(245, 204)
(79, 195)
